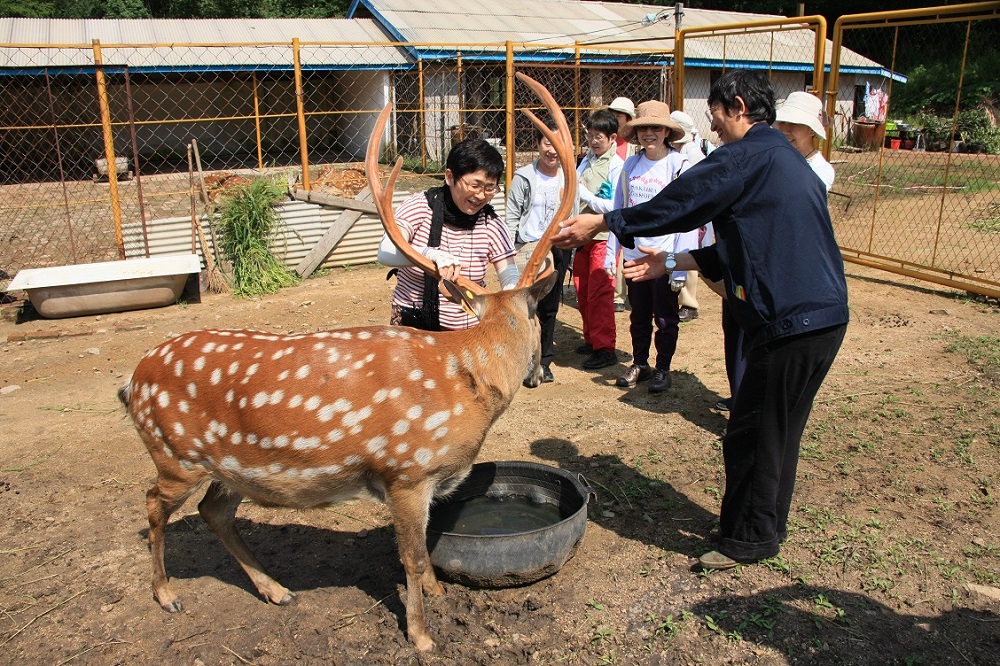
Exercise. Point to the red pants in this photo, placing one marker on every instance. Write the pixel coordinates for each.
(595, 295)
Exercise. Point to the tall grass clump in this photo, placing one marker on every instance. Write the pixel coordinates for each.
(248, 224)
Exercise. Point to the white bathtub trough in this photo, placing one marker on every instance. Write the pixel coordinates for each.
(110, 286)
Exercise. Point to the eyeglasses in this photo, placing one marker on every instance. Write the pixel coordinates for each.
(480, 188)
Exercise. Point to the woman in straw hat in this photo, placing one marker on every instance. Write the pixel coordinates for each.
(654, 301)
(801, 119)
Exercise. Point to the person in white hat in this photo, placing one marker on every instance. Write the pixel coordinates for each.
(801, 119)
(624, 111)
(689, 146)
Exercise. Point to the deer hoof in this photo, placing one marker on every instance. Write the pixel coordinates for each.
(285, 600)
(423, 643)
(174, 606)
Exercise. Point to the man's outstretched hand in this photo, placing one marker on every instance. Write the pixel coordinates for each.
(579, 229)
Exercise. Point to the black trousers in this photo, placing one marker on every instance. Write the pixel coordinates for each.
(761, 446)
(653, 302)
(548, 307)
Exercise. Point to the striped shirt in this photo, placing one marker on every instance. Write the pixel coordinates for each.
(486, 243)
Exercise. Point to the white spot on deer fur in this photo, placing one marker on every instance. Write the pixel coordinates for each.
(292, 473)
(183, 406)
(364, 335)
(451, 366)
(391, 462)
(231, 464)
(199, 363)
(281, 441)
(243, 402)
(341, 335)
(295, 401)
(230, 396)
(405, 335)
(252, 370)
(335, 435)
(395, 393)
(192, 390)
(197, 443)
(429, 383)
(342, 373)
(353, 460)
(277, 397)
(237, 438)
(326, 412)
(402, 447)
(422, 456)
(306, 443)
(233, 367)
(185, 465)
(429, 339)
(380, 396)
(332, 355)
(260, 399)
(216, 376)
(265, 442)
(264, 337)
(144, 392)
(222, 348)
(440, 432)
(251, 438)
(355, 430)
(302, 372)
(259, 355)
(437, 419)
(283, 375)
(467, 361)
(408, 463)
(188, 342)
(210, 437)
(208, 347)
(482, 355)
(278, 354)
(357, 416)
(458, 409)
(415, 375)
(414, 412)
(179, 368)
(400, 427)
(274, 468)
(317, 471)
(238, 346)
(179, 429)
(376, 444)
(313, 402)
(163, 399)
(169, 358)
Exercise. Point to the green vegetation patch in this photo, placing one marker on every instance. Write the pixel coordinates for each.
(982, 352)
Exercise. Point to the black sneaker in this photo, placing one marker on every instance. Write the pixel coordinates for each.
(601, 358)
(585, 348)
(619, 307)
(633, 375)
(547, 375)
(687, 314)
(724, 405)
(660, 381)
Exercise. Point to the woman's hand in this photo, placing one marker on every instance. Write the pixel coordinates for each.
(448, 265)
(579, 229)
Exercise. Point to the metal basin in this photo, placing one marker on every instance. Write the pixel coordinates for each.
(507, 524)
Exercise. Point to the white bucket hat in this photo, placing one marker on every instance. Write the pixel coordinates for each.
(801, 108)
(687, 124)
(623, 105)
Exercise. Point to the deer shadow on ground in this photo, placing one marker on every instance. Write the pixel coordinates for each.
(300, 557)
(819, 625)
(632, 504)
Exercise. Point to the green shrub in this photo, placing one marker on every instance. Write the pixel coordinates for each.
(247, 226)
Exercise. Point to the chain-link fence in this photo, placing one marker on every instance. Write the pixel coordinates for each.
(917, 152)
(301, 111)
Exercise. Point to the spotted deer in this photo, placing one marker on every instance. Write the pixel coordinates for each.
(305, 420)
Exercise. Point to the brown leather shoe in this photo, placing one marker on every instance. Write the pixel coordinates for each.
(633, 375)
(716, 561)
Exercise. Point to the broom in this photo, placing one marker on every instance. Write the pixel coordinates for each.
(216, 281)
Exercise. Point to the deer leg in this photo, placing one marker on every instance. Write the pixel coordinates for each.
(218, 509)
(410, 509)
(165, 497)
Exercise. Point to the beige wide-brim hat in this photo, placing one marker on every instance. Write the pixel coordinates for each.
(623, 105)
(801, 108)
(652, 114)
(687, 124)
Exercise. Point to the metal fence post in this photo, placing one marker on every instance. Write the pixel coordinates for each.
(109, 148)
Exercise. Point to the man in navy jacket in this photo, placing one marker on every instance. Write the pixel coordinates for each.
(784, 277)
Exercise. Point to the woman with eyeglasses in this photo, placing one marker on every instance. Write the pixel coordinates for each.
(455, 227)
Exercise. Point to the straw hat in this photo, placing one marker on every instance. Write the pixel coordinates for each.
(623, 105)
(687, 124)
(652, 114)
(801, 108)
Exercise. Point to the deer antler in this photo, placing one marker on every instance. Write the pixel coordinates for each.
(563, 144)
(383, 203)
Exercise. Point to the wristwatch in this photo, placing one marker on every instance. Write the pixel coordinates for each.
(670, 263)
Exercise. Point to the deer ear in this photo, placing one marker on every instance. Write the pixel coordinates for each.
(460, 295)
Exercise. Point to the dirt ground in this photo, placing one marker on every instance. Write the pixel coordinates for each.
(893, 555)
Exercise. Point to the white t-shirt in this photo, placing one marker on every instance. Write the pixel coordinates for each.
(822, 168)
(544, 202)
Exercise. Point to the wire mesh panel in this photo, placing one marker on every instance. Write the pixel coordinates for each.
(917, 150)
